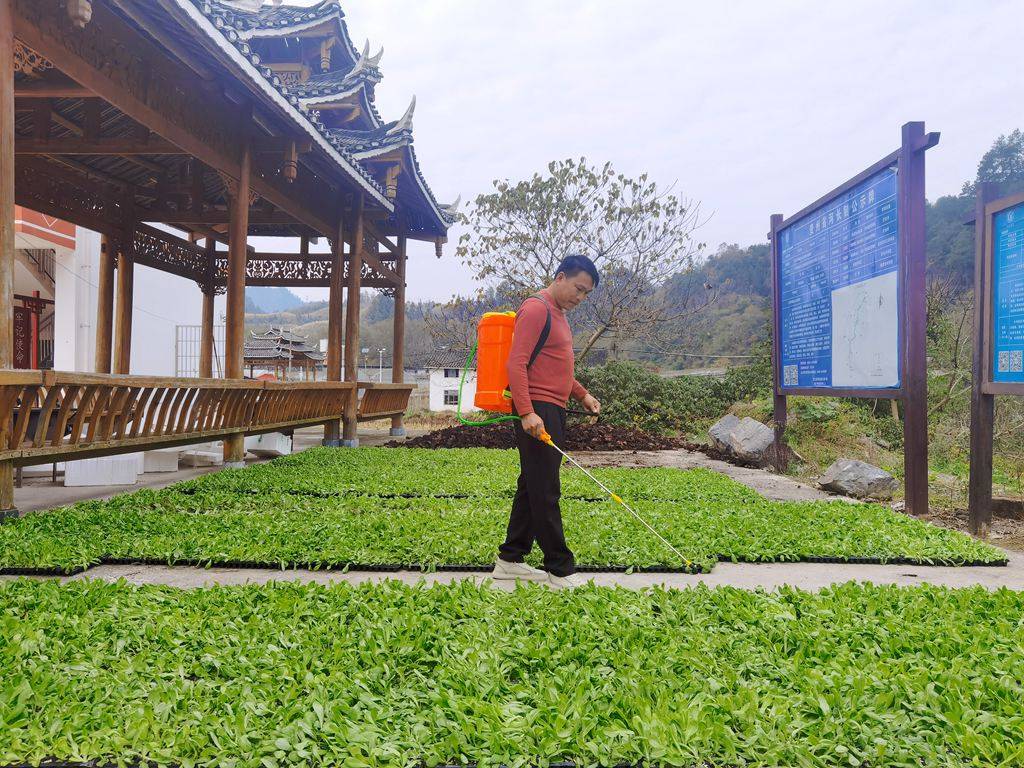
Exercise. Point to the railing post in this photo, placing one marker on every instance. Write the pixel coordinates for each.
(350, 437)
(6, 230)
(398, 339)
(234, 445)
(332, 429)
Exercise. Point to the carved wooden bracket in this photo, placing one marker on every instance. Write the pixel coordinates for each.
(231, 188)
(28, 62)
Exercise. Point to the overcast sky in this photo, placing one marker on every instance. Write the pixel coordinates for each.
(748, 107)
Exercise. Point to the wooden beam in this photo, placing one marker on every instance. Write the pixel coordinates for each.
(58, 87)
(398, 335)
(349, 435)
(108, 145)
(269, 144)
(381, 238)
(185, 215)
(105, 305)
(170, 100)
(234, 449)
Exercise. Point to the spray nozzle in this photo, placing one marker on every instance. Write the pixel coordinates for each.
(545, 438)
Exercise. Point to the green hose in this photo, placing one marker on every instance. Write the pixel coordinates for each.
(458, 409)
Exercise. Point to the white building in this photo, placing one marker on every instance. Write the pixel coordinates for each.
(60, 263)
(445, 372)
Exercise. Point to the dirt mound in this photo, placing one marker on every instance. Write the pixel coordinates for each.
(579, 437)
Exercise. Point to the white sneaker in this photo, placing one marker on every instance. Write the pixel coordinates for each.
(571, 581)
(506, 570)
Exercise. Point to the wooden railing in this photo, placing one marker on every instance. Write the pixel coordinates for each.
(381, 401)
(55, 415)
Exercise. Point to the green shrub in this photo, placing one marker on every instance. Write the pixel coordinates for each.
(632, 396)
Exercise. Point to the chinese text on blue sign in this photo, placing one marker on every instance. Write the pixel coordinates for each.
(839, 282)
(1008, 295)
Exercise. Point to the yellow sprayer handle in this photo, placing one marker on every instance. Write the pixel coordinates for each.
(545, 438)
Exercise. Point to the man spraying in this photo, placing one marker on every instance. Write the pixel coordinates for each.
(540, 373)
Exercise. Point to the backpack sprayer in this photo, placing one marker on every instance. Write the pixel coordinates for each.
(494, 343)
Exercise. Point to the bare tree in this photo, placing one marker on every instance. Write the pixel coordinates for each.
(638, 235)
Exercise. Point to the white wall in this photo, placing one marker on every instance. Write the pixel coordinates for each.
(438, 385)
(160, 302)
(74, 329)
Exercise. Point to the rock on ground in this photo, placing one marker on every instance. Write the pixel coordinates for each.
(746, 439)
(859, 479)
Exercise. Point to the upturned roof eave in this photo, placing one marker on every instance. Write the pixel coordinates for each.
(274, 95)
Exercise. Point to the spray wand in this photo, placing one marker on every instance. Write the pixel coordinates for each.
(546, 438)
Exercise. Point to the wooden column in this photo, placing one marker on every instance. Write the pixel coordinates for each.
(355, 266)
(6, 230)
(206, 329)
(123, 323)
(105, 306)
(979, 492)
(332, 429)
(398, 338)
(911, 195)
(234, 445)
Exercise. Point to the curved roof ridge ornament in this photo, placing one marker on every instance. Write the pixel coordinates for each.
(453, 207)
(405, 124)
(374, 61)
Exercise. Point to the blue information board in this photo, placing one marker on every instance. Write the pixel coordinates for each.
(839, 282)
(1008, 295)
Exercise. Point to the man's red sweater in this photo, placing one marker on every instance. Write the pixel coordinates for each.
(550, 379)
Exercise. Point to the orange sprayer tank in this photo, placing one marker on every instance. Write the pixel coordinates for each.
(494, 344)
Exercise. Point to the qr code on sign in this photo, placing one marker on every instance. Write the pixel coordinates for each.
(790, 375)
(1003, 365)
(1016, 361)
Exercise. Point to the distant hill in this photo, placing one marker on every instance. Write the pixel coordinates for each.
(269, 300)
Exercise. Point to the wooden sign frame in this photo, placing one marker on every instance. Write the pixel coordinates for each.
(984, 388)
(912, 312)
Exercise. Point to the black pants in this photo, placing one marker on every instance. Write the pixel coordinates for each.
(536, 515)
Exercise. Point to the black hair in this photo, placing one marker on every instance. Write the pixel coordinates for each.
(573, 265)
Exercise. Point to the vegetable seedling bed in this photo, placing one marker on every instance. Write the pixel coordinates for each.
(394, 675)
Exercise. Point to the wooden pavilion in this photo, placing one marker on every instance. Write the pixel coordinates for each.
(177, 128)
(280, 351)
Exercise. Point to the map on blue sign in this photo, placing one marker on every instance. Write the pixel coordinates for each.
(839, 282)
(1008, 295)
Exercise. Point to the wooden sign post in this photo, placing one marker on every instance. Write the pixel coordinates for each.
(848, 299)
(998, 339)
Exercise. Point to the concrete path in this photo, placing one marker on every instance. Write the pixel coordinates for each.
(768, 576)
(768, 484)
(39, 492)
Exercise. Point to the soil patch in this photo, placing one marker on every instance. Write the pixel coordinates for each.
(579, 437)
(1004, 532)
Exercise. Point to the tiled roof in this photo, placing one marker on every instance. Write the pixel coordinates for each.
(242, 21)
(450, 358)
(231, 22)
(365, 72)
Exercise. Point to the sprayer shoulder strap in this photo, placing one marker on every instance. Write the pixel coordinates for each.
(544, 333)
